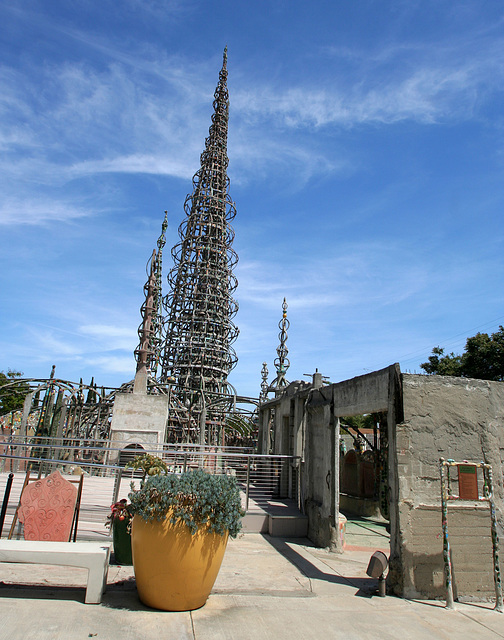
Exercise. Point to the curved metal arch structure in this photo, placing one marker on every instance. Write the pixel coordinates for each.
(60, 408)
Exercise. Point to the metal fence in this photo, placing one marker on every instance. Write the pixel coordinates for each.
(260, 477)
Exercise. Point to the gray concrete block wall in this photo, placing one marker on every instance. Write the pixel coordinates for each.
(462, 420)
(471, 552)
(363, 394)
(427, 417)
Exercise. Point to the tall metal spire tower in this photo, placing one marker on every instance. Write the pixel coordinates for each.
(197, 354)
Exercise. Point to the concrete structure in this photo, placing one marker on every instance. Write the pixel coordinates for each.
(456, 418)
(422, 418)
(138, 417)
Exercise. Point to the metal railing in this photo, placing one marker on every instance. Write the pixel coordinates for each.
(260, 477)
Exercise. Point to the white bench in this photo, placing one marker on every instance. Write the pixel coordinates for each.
(93, 556)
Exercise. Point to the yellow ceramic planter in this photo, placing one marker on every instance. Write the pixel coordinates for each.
(175, 570)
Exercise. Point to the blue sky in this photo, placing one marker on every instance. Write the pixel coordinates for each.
(366, 146)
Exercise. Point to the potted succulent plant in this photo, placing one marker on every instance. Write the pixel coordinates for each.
(119, 519)
(180, 528)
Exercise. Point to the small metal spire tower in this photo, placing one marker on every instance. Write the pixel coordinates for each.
(157, 323)
(282, 362)
(197, 354)
(149, 331)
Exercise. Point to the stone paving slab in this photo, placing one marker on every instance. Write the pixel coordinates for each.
(330, 618)
(366, 533)
(27, 618)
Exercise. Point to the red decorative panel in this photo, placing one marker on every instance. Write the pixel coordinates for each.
(47, 508)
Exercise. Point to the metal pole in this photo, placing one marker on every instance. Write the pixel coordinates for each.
(382, 586)
(5, 502)
(117, 485)
(446, 542)
(247, 485)
(202, 421)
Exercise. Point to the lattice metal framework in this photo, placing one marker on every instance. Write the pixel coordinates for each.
(197, 353)
(62, 409)
(147, 353)
(263, 396)
(282, 362)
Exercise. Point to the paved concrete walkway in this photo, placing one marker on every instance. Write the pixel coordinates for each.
(268, 588)
(369, 533)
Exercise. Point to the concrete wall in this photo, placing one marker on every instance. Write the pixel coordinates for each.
(321, 471)
(364, 394)
(427, 417)
(304, 421)
(138, 418)
(298, 422)
(453, 418)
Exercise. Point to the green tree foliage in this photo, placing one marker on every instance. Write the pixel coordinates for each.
(359, 422)
(443, 365)
(483, 358)
(12, 395)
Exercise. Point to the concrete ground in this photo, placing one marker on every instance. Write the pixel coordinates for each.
(369, 533)
(267, 588)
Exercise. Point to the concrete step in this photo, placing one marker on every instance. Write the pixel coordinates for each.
(255, 522)
(288, 526)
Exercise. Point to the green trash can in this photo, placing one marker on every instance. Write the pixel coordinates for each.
(122, 541)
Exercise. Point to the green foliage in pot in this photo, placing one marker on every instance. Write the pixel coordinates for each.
(149, 465)
(195, 497)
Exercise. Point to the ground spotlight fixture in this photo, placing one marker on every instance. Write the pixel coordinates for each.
(378, 564)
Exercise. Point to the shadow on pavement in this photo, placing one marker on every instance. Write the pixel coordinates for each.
(121, 595)
(42, 592)
(366, 587)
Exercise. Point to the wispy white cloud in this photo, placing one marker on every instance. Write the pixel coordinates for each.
(122, 365)
(18, 211)
(103, 117)
(162, 8)
(111, 337)
(427, 95)
(53, 342)
(392, 82)
(256, 156)
(137, 163)
(89, 121)
(93, 111)
(360, 275)
(102, 348)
